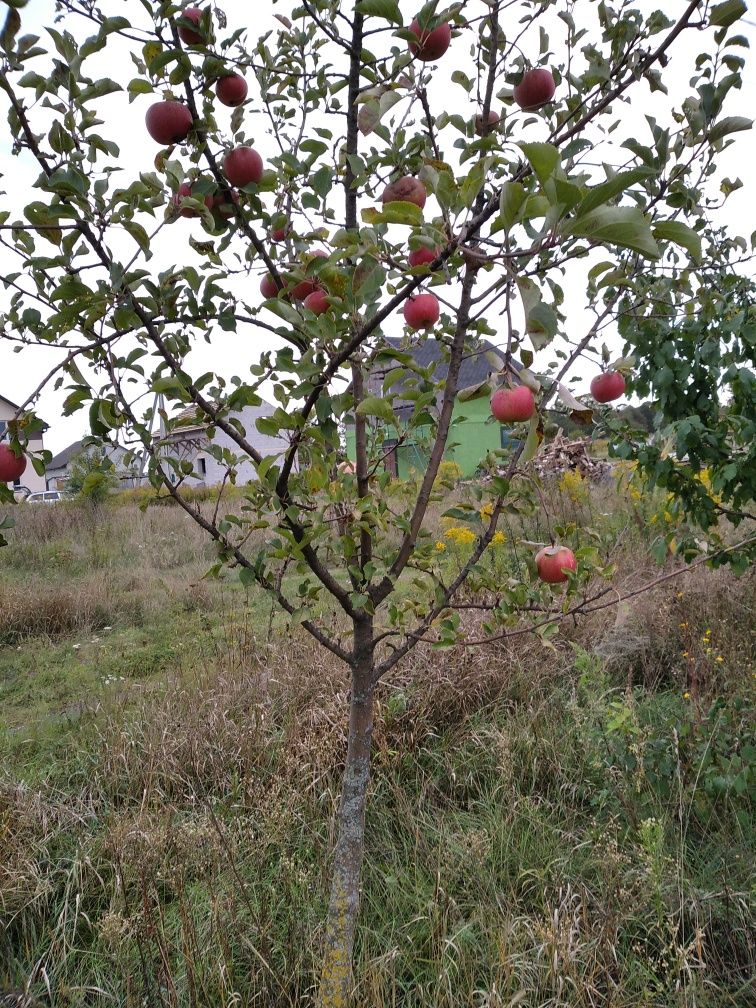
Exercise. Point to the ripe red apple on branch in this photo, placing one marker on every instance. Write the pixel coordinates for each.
(421, 256)
(552, 563)
(243, 165)
(185, 190)
(608, 386)
(168, 122)
(187, 35)
(317, 302)
(536, 89)
(231, 90)
(268, 287)
(513, 405)
(421, 311)
(406, 189)
(431, 44)
(482, 128)
(11, 465)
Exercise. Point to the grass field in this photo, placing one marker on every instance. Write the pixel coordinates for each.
(564, 826)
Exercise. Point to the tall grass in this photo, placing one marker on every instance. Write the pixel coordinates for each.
(570, 826)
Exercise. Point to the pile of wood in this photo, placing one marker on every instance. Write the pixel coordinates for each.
(560, 455)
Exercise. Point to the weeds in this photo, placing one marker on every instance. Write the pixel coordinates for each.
(562, 827)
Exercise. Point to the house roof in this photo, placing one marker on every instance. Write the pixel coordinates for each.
(476, 368)
(61, 460)
(16, 407)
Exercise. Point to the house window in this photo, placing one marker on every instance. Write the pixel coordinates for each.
(201, 465)
(3, 427)
(507, 441)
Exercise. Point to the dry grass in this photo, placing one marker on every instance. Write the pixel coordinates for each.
(545, 827)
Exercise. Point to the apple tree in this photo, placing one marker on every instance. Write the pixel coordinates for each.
(481, 170)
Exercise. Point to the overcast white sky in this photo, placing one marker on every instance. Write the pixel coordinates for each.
(233, 352)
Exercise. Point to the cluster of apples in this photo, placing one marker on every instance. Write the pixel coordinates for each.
(514, 405)
(170, 122)
(536, 89)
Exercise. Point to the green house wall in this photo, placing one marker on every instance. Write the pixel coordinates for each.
(473, 434)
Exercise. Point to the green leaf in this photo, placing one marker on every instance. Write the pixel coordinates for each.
(10, 29)
(399, 212)
(511, 200)
(626, 227)
(99, 89)
(480, 391)
(613, 187)
(375, 406)
(533, 440)
(139, 235)
(727, 13)
(730, 124)
(681, 234)
(543, 158)
(541, 320)
(138, 86)
(386, 9)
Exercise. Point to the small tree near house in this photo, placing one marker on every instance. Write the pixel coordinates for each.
(498, 145)
(92, 477)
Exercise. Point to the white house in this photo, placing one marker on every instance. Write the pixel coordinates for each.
(59, 468)
(29, 480)
(188, 440)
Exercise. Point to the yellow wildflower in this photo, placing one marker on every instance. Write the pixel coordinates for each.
(719, 659)
(686, 696)
(683, 626)
(440, 547)
(460, 536)
(499, 539)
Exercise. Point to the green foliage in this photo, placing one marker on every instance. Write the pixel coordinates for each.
(92, 477)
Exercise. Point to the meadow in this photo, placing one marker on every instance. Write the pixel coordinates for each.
(553, 824)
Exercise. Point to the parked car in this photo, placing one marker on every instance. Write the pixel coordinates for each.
(45, 497)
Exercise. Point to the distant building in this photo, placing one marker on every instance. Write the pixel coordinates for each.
(59, 468)
(187, 439)
(29, 480)
(473, 432)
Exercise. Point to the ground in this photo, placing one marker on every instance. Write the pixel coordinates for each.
(563, 825)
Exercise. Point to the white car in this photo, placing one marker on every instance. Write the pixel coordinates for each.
(45, 497)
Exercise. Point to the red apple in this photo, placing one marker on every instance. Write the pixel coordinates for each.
(407, 189)
(607, 386)
(186, 35)
(536, 88)
(553, 561)
(317, 302)
(185, 189)
(302, 290)
(481, 128)
(242, 165)
(279, 234)
(431, 45)
(231, 90)
(225, 203)
(422, 256)
(168, 122)
(268, 287)
(421, 311)
(11, 465)
(512, 405)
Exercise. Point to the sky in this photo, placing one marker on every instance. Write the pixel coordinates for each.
(230, 353)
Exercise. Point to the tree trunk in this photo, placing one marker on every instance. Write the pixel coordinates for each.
(336, 976)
